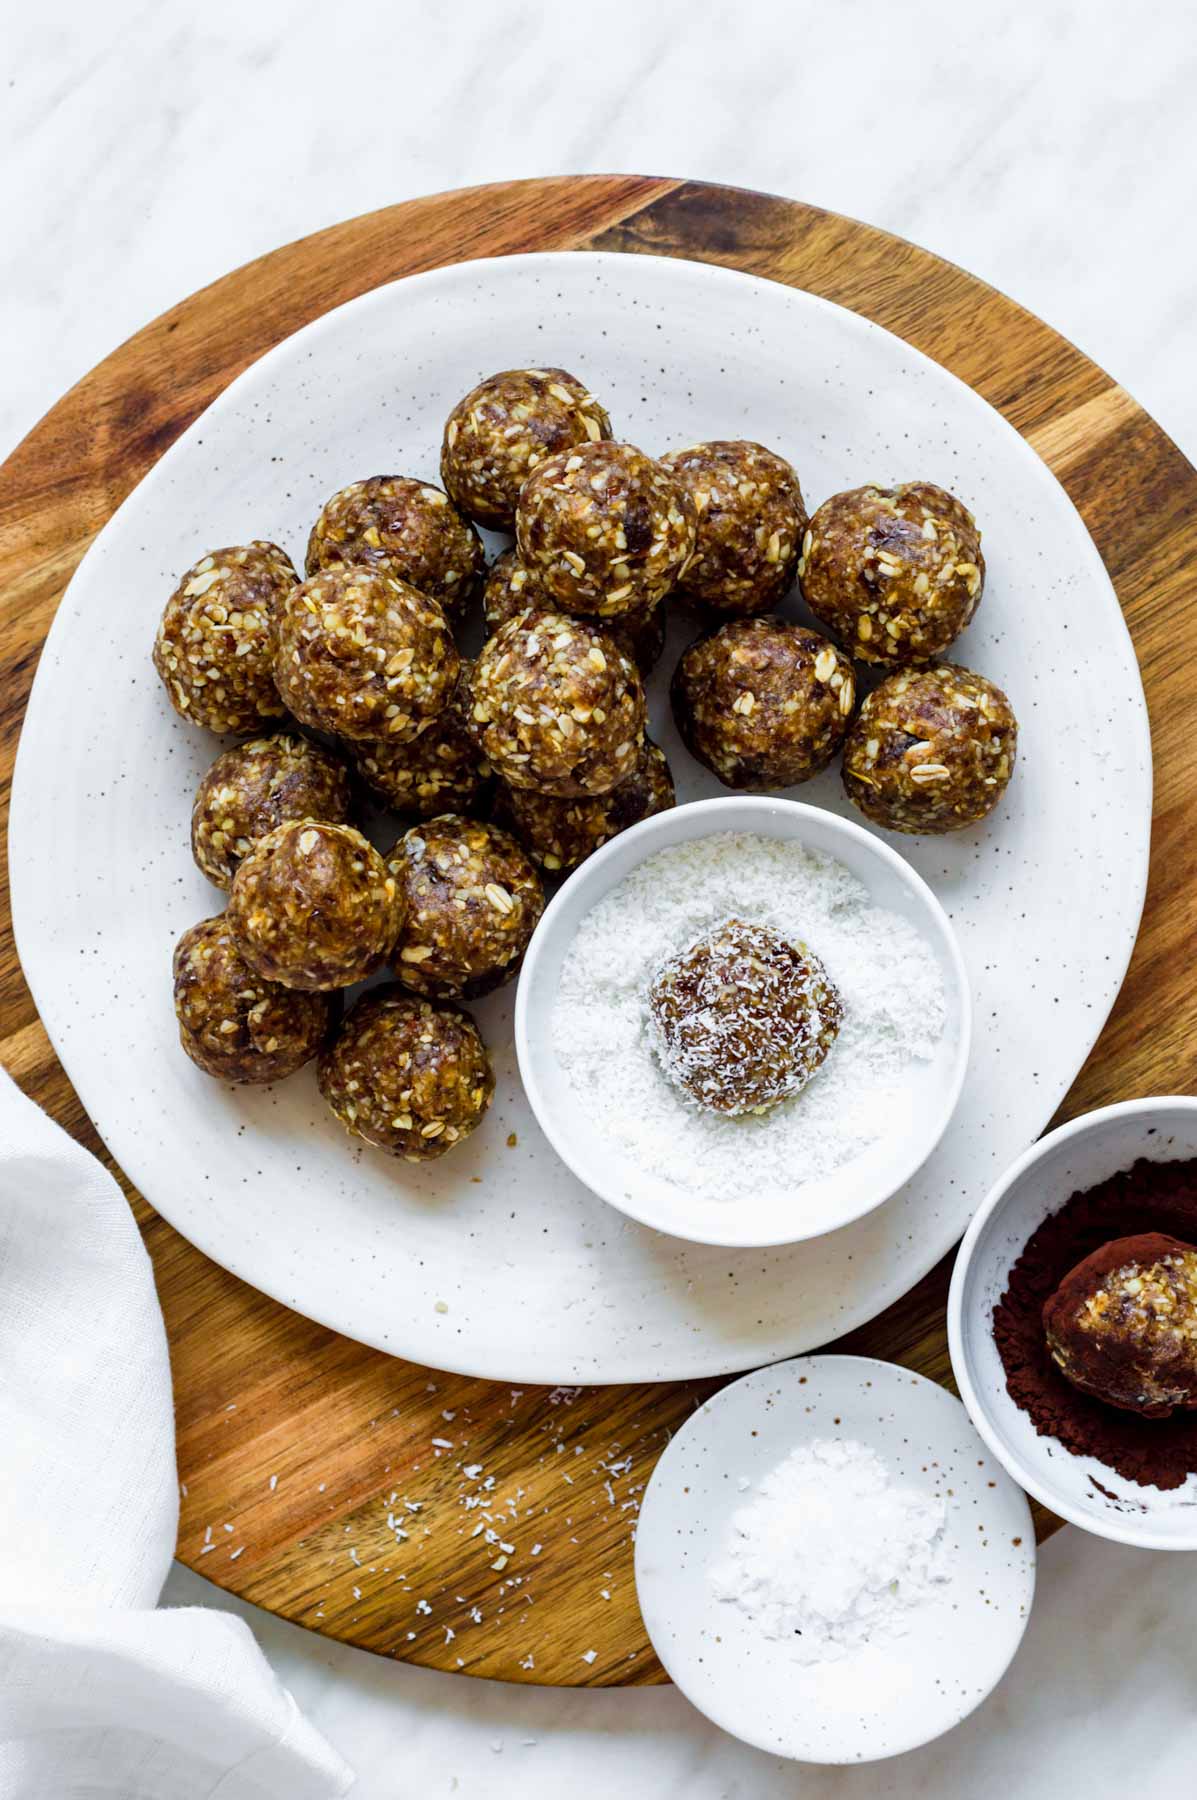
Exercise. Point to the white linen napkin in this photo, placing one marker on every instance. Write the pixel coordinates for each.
(101, 1694)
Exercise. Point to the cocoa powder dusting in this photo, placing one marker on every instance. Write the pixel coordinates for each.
(1150, 1197)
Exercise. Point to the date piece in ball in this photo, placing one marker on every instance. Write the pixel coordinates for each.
(315, 906)
(235, 1025)
(407, 1075)
(440, 771)
(895, 573)
(557, 706)
(364, 655)
(471, 901)
(216, 643)
(1122, 1325)
(511, 589)
(560, 834)
(605, 530)
(504, 428)
(406, 528)
(763, 703)
(743, 1018)
(751, 522)
(254, 788)
(931, 750)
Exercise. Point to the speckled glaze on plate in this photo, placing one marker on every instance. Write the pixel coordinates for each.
(898, 1691)
(536, 1278)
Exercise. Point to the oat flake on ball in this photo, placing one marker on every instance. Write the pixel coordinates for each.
(605, 529)
(254, 788)
(751, 521)
(235, 1025)
(215, 648)
(504, 428)
(406, 528)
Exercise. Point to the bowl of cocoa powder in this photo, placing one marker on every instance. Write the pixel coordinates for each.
(1119, 1173)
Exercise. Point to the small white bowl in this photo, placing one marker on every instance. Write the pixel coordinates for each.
(1067, 1161)
(768, 1217)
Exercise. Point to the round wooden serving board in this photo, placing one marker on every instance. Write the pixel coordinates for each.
(312, 1479)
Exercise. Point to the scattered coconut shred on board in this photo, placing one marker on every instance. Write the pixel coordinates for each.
(888, 979)
(829, 1554)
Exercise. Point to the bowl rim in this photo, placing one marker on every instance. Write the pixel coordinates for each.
(729, 812)
(1118, 1529)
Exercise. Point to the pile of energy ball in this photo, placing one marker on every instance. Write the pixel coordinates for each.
(535, 754)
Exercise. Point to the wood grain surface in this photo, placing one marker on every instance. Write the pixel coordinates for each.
(311, 1479)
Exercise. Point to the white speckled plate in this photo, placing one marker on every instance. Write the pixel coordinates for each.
(897, 1691)
(495, 1260)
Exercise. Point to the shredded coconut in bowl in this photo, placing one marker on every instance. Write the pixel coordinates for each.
(887, 977)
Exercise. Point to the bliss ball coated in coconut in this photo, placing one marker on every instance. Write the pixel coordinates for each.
(315, 906)
(232, 1023)
(471, 900)
(605, 529)
(364, 655)
(743, 1018)
(751, 522)
(895, 573)
(560, 834)
(405, 528)
(763, 703)
(557, 706)
(440, 771)
(511, 588)
(1122, 1325)
(407, 1075)
(215, 648)
(931, 750)
(253, 788)
(505, 428)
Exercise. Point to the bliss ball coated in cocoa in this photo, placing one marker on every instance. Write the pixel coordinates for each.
(743, 1018)
(511, 588)
(605, 530)
(560, 834)
(440, 771)
(895, 573)
(407, 1075)
(364, 655)
(931, 750)
(751, 522)
(215, 648)
(234, 1024)
(763, 703)
(557, 706)
(505, 428)
(1122, 1325)
(405, 528)
(471, 900)
(253, 788)
(315, 906)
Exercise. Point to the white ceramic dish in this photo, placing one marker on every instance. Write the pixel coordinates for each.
(769, 1216)
(541, 1280)
(1067, 1161)
(898, 1692)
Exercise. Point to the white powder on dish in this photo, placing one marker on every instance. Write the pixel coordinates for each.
(888, 980)
(829, 1554)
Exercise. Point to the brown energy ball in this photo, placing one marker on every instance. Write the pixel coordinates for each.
(471, 899)
(1122, 1325)
(232, 1023)
(763, 703)
(440, 771)
(931, 750)
(315, 906)
(256, 786)
(504, 428)
(605, 529)
(895, 573)
(557, 706)
(405, 528)
(215, 648)
(364, 655)
(751, 521)
(743, 1018)
(560, 834)
(511, 588)
(407, 1076)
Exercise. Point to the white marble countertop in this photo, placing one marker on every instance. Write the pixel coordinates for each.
(146, 149)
